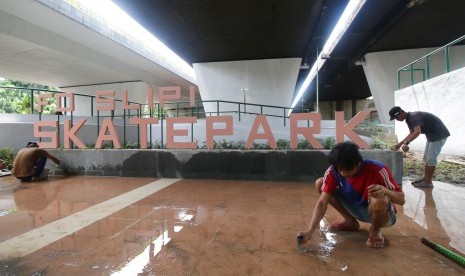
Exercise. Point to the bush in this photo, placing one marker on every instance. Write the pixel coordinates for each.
(304, 144)
(283, 144)
(7, 154)
(131, 146)
(377, 144)
(262, 146)
(329, 143)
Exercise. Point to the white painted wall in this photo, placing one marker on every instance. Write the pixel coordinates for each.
(444, 97)
(381, 72)
(18, 129)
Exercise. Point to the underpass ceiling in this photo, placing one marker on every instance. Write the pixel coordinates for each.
(222, 30)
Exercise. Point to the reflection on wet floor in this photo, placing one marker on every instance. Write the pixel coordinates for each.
(439, 211)
(129, 226)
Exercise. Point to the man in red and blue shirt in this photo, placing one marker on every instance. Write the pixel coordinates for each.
(360, 190)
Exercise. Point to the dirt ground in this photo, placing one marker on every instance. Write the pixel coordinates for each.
(451, 168)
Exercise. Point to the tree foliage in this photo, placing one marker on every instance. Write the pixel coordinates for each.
(15, 97)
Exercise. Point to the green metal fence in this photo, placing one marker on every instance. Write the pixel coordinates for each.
(175, 109)
(420, 69)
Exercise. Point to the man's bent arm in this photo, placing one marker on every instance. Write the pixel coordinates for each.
(395, 197)
(54, 159)
(319, 211)
(412, 136)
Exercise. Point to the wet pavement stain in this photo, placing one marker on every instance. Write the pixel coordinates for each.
(16, 267)
(214, 227)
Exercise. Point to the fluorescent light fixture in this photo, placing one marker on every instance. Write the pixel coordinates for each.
(118, 20)
(344, 22)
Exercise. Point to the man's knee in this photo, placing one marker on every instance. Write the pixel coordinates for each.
(378, 204)
(319, 184)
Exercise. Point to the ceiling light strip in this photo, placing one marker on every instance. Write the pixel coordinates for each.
(341, 27)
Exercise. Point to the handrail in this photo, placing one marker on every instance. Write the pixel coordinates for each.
(161, 112)
(176, 103)
(410, 67)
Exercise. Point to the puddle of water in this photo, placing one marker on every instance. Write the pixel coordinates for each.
(322, 249)
(324, 246)
(343, 266)
(9, 211)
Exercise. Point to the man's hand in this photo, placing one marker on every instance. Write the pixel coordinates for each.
(376, 191)
(303, 236)
(397, 146)
(405, 148)
(56, 160)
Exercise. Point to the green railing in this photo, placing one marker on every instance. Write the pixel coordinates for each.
(423, 65)
(174, 109)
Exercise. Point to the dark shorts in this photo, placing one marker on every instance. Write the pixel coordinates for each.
(26, 178)
(361, 213)
(40, 166)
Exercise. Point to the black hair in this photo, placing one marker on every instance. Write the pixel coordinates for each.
(32, 144)
(345, 156)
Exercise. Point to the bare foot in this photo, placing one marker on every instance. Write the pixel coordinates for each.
(352, 225)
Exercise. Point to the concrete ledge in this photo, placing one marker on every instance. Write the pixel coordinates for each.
(268, 165)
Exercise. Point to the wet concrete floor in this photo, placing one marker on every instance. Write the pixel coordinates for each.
(143, 226)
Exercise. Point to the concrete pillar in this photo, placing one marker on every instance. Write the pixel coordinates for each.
(265, 82)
